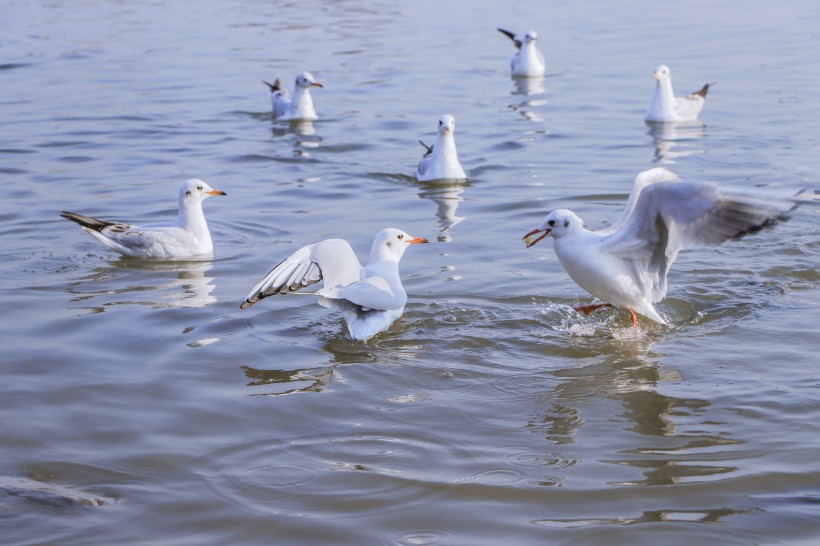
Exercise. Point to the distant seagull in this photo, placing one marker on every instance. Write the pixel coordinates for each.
(528, 61)
(626, 265)
(667, 107)
(299, 107)
(370, 298)
(188, 237)
(441, 159)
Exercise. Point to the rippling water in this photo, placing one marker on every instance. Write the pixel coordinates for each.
(140, 406)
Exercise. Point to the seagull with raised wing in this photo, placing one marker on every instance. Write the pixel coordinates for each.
(666, 107)
(441, 159)
(528, 61)
(299, 105)
(627, 265)
(188, 237)
(370, 298)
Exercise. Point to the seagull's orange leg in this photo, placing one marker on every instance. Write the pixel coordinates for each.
(587, 309)
(633, 316)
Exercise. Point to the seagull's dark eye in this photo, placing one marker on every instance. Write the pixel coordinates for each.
(401, 237)
(199, 188)
(551, 222)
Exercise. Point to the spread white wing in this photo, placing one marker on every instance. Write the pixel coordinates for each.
(331, 260)
(669, 217)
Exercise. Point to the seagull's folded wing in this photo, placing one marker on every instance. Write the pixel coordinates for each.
(690, 106)
(374, 293)
(331, 260)
(670, 217)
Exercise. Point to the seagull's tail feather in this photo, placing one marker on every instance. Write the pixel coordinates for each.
(703, 90)
(511, 36)
(86, 221)
(275, 86)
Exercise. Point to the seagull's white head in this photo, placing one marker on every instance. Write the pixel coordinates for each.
(557, 223)
(662, 73)
(195, 190)
(306, 79)
(390, 244)
(530, 36)
(446, 124)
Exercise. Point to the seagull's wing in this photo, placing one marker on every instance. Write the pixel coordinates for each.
(425, 166)
(374, 292)
(670, 217)
(511, 36)
(690, 106)
(332, 261)
(645, 178)
(139, 241)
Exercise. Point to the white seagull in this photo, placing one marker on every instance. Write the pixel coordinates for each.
(666, 107)
(370, 298)
(188, 237)
(298, 107)
(627, 264)
(528, 61)
(441, 159)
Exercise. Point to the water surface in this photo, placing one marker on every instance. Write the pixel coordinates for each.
(140, 406)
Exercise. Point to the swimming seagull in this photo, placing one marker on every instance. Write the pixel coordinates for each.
(528, 61)
(186, 238)
(298, 107)
(441, 159)
(370, 298)
(627, 265)
(667, 107)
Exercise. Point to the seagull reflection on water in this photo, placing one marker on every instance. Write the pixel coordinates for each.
(676, 139)
(190, 287)
(446, 194)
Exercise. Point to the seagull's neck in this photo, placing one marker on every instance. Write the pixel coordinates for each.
(192, 219)
(302, 100)
(445, 147)
(664, 94)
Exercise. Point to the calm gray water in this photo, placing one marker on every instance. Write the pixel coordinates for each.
(140, 406)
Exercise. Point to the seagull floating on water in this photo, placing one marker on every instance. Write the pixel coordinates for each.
(186, 238)
(626, 265)
(441, 159)
(528, 61)
(370, 298)
(667, 107)
(298, 107)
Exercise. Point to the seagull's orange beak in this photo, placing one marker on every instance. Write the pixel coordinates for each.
(417, 240)
(317, 84)
(217, 192)
(530, 242)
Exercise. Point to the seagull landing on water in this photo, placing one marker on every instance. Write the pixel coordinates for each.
(667, 107)
(188, 237)
(627, 264)
(441, 159)
(370, 298)
(528, 61)
(298, 107)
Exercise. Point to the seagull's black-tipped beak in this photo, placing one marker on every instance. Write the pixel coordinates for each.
(417, 240)
(317, 84)
(528, 237)
(217, 192)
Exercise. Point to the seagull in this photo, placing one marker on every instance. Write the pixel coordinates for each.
(626, 265)
(667, 107)
(186, 238)
(528, 61)
(299, 107)
(370, 298)
(441, 159)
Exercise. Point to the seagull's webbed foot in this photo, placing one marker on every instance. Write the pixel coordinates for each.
(633, 316)
(587, 309)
